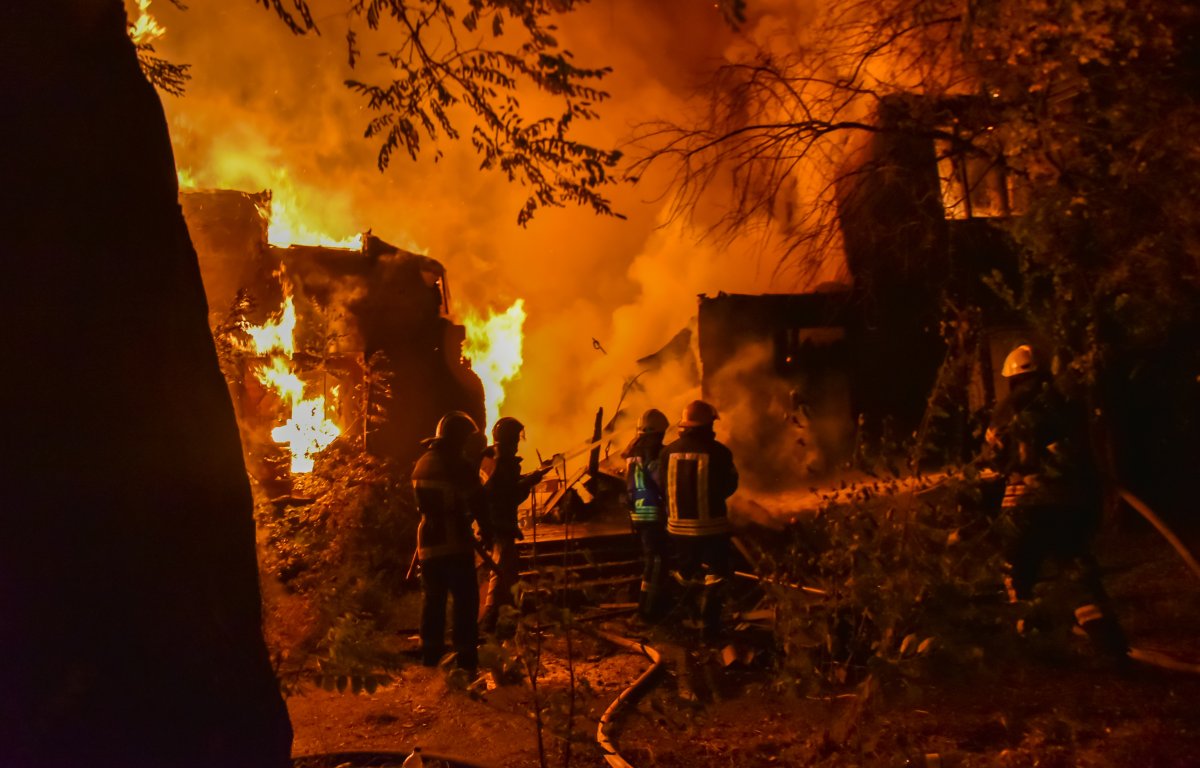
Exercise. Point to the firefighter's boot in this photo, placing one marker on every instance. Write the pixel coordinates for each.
(1103, 631)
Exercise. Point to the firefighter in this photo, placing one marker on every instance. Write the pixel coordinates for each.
(698, 475)
(646, 511)
(506, 488)
(1051, 499)
(449, 498)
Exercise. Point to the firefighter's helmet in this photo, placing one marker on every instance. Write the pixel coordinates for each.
(455, 427)
(698, 414)
(653, 421)
(507, 430)
(1020, 360)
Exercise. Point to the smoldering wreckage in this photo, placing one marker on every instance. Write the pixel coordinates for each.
(810, 386)
(135, 493)
(818, 375)
(807, 383)
(357, 342)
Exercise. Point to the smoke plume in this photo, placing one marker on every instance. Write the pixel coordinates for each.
(266, 109)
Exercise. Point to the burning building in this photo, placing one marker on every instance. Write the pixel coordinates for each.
(818, 374)
(351, 338)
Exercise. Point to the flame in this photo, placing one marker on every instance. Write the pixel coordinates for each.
(278, 333)
(287, 227)
(280, 377)
(493, 346)
(145, 29)
(298, 213)
(306, 432)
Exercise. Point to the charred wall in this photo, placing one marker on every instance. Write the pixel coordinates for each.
(861, 364)
(911, 261)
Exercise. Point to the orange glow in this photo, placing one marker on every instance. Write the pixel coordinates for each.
(493, 346)
(306, 432)
(187, 179)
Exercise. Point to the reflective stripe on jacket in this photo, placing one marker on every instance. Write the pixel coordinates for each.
(698, 474)
(644, 493)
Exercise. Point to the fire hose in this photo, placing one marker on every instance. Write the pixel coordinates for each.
(606, 730)
(1147, 656)
(1161, 527)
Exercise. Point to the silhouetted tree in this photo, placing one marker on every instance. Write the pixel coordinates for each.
(131, 632)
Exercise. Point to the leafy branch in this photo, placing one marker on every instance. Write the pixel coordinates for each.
(452, 77)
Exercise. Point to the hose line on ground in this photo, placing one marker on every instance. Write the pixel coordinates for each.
(1144, 510)
(606, 730)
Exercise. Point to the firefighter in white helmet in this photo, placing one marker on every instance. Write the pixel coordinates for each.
(698, 475)
(646, 512)
(1051, 498)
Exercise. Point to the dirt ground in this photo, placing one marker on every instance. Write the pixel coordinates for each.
(1069, 709)
(494, 727)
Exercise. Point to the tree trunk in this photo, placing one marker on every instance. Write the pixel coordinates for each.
(130, 615)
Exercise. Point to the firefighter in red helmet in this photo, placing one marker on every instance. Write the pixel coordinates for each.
(1051, 499)
(449, 498)
(697, 474)
(506, 488)
(646, 511)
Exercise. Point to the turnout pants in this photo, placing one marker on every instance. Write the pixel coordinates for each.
(653, 538)
(500, 585)
(450, 576)
(706, 561)
(1061, 534)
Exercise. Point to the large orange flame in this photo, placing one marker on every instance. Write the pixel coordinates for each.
(306, 432)
(493, 346)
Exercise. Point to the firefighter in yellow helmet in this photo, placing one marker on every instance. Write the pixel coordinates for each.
(646, 511)
(449, 498)
(697, 474)
(506, 488)
(1051, 498)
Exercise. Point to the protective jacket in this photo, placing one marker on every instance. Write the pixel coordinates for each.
(644, 495)
(697, 474)
(506, 488)
(449, 497)
(1039, 447)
